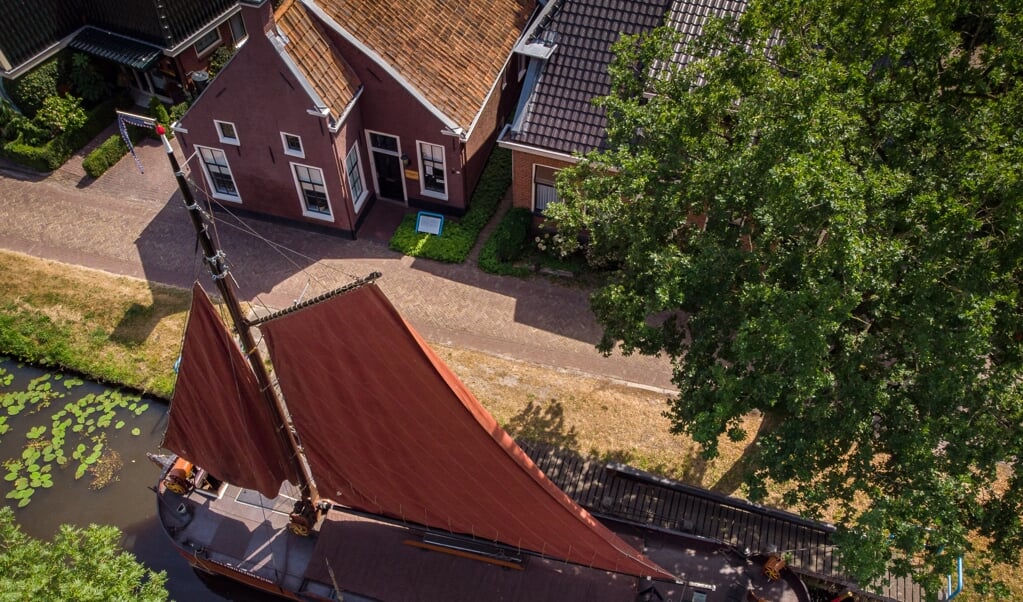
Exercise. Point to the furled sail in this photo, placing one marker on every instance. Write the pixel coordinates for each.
(219, 419)
(387, 428)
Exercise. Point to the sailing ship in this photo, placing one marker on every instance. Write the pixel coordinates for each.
(363, 469)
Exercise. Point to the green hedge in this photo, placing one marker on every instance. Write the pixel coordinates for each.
(459, 236)
(507, 244)
(52, 154)
(105, 156)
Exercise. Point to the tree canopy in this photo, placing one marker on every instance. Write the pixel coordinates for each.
(821, 218)
(80, 565)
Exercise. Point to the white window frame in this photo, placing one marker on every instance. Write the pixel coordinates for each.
(357, 200)
(300, 153)
(329, 216)
(534, 183)
(211, 45)
(240, 20)
(225, 139)
(422, 170)
(222, 196)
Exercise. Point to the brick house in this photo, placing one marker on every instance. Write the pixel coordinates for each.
(569, 46)
(157, 45)
(336, 104)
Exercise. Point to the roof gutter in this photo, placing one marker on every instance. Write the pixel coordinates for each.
(192, 39)
(540, 152)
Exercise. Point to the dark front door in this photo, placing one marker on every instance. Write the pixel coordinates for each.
(389, 174)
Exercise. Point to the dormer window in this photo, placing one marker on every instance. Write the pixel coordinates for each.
(292, 145)
(227, 132)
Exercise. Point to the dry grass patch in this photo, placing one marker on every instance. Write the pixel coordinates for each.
(120, 330)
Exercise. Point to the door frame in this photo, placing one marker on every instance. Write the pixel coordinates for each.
(373, 151)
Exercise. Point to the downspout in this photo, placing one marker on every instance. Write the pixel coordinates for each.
(959, 583)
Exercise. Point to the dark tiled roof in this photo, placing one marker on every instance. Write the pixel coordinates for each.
(688, 17)
(113, 47)
(166, 23)
(31, 26)
(560, 115)
(450, 51)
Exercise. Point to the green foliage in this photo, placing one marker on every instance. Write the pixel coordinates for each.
(220, 57)
(507, 244)
(86, 79)
(105, 156)
(46, 155)
(178, 111)
(830, 232)
(7, 116)
(458, 237)
(31, 89)
(61, 115)
(79, 564)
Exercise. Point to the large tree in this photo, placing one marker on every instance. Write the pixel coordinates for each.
(821, 218)
(80, 565)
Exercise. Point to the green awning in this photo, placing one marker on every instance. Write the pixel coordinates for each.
(113, 47)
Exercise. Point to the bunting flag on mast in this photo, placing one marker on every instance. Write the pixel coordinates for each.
(126, 119)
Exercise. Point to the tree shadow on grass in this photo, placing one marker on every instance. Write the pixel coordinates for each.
(139, 320)
(734, 478)
(545, 423)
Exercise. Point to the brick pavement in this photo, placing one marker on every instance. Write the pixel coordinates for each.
(134, 224)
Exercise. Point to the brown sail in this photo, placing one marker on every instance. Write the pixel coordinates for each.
(218, 417)
(387, 428)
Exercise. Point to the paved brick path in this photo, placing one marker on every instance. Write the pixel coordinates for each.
(135, 224)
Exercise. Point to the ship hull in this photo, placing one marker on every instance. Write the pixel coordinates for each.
(237, 534)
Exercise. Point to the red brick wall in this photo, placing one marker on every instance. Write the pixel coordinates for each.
(522, 176)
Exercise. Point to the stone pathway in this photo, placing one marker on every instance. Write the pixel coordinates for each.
(134, 224)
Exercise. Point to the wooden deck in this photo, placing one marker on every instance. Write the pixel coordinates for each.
(624, 493)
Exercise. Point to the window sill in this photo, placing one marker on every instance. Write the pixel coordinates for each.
(226, 197)
(435, 195)
(324, 217)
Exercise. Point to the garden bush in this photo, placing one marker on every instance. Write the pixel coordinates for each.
(459, 236)
(30, 90)
(47, 155)
(105, 156)
(507, 244)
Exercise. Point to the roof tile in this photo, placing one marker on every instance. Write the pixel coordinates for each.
(328, 73)
(451, 51)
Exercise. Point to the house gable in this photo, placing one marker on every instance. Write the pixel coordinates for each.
(447, 54)
(280, 140)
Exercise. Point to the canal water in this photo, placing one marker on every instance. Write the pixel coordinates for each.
(33, 401)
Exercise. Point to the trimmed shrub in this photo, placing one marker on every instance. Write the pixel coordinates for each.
(30, 90)
(51, 154)
(459, 236)
(105, 156)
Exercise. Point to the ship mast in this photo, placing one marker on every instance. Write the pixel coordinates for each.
(305, 513)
